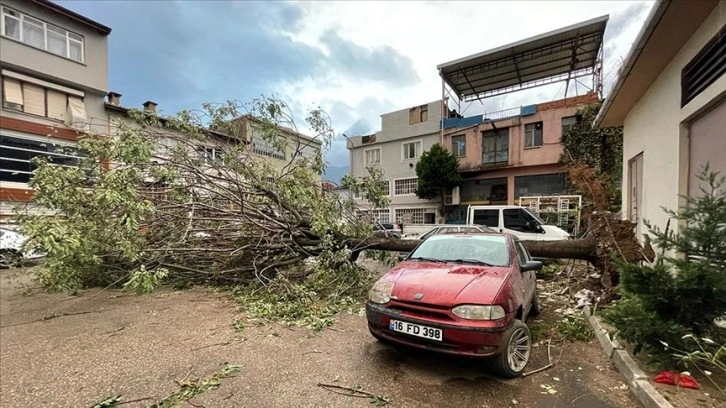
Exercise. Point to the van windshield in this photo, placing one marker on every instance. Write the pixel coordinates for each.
(535, 216)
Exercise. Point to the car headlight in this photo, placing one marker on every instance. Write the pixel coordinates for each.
(381, 292)
(479, 312)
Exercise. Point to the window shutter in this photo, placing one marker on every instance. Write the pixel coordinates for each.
(34, 97)
(13, 93)
(57, 104)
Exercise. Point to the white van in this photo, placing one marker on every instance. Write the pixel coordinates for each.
(515, 220)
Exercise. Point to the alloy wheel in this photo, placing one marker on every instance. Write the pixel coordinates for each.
(518, 349)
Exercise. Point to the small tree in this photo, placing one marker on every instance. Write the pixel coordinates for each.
(437, 172)
(679, 294)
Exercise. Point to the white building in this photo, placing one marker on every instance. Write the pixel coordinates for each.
(669, 99)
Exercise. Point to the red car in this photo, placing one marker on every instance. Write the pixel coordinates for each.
(462, 294)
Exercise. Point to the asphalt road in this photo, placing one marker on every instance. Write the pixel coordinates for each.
(139, 346)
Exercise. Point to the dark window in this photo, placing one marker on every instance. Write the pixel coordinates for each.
(494, 189)
(567, 123)
(518, 220)
(16, 154)
(543, 184)
(705, 68)
(458, 146)
(490, 218)
(495, 147)
(533, 134)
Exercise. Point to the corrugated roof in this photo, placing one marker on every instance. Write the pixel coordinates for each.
(520, 65)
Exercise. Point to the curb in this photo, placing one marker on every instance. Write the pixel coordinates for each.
(636, 379)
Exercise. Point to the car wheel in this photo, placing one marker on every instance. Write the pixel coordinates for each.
(536, 308)
(511, 362)
(9, 258)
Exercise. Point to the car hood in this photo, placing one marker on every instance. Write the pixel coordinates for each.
(447, 284)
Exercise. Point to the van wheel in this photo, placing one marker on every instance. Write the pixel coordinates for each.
(510, 363)
(9, 258)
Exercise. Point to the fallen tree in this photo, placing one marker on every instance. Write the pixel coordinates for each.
(170, 199)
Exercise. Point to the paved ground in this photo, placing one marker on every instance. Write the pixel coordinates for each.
(137, 346)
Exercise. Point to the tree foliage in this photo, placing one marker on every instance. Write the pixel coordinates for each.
(684, 291)
(149, 205)
(437, 172)
(598, 149)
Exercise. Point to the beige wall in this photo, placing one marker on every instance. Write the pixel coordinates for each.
(658, 127)
(90, 75)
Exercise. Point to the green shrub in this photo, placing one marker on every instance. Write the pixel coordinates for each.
(684, 291)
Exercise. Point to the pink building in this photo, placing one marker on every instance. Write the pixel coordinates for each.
(514, 153)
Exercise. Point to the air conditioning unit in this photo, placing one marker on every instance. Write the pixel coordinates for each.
(454, 198)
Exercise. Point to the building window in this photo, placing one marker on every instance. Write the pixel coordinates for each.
(411, 150)
(386, 187)
(418, 114)
(533, 134)
(39, 34)
(485, 190)
(308, 152)
(383, 215)
(209, 155)
(495, 147)
(373, 156)
(705, 68)
(16, 154)
(266, 148)
(405, 186)
(458, 145)
(567, 123)
(542, 184)
(41, 101)
(410, 216)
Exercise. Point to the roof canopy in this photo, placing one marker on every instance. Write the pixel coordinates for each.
(568, 52)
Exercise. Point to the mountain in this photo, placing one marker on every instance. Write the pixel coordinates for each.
(335, 173)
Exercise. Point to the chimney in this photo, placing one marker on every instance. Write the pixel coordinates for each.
(114, 98)
(150, 107)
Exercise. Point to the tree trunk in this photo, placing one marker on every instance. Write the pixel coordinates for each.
(584, 249)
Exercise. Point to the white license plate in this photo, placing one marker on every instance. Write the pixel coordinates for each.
(431, 333)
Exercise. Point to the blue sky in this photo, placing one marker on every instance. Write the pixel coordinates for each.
(356, 60)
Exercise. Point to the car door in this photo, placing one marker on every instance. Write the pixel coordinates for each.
(529, 277)
(520, 224)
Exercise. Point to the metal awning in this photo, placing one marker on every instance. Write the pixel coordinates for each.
(569, 52)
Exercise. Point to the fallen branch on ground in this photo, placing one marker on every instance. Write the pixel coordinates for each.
(549, 360)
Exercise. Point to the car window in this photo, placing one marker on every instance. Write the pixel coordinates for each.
(430, 233)
(447, 230)
(516, 219)
(489, 249)
(522, 253)
(470, 229)
(490, 218)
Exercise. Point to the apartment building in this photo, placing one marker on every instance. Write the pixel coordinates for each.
(510, 153)
(405, 134)
(53, 79)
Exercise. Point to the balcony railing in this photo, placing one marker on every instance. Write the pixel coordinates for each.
(449, 123)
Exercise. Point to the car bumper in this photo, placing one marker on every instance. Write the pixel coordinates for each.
(457, 340)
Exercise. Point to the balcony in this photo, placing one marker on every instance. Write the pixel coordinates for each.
(503, 114)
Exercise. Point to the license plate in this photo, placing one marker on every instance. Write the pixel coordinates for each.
(416, 330)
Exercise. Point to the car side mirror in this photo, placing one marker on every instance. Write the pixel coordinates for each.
(531, 266)
(401, 258)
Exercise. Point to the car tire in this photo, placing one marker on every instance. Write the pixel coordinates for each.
(9, 258)
(536, 308)
(509, 364)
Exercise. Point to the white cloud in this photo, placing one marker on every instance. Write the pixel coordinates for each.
(431, 33)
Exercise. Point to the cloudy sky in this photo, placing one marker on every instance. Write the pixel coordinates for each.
(356, 60)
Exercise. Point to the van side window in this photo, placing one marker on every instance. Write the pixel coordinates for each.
(516, 219)
(490, 218)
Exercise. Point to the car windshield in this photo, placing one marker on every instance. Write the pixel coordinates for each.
(471, 249)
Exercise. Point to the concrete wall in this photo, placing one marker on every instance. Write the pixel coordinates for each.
(395, 125)
(92, 74)
(657, 126)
